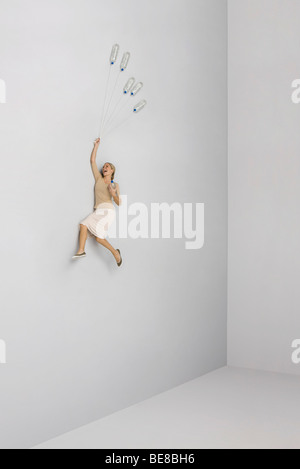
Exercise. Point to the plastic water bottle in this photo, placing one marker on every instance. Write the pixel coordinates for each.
(140, 106)
(127, 88)
(125, 61)
(114, 54)
(136, 88)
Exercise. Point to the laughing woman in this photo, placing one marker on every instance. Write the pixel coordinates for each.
(98, 223)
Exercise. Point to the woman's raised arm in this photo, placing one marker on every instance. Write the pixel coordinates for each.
(95, 169)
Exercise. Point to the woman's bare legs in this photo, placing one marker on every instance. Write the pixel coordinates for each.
(82, 238)
(108, 246)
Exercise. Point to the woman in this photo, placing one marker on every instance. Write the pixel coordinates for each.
(97, 224)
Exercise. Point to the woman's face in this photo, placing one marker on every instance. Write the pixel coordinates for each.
(106, 170)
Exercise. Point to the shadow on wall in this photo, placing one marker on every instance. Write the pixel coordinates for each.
(2, 92)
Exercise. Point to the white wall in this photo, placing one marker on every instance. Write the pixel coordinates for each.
(264, 184)
(86, 339)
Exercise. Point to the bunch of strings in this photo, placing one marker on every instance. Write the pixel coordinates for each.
(113, 106)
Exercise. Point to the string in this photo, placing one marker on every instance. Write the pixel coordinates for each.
(116, 82)
(115, 114)
(119, 125)
(105, 98)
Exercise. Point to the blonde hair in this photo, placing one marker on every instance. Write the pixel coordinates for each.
(113, 168)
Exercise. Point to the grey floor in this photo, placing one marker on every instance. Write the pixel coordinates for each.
(229, 408)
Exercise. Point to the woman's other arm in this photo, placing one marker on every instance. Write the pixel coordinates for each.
(115, 193)
(95, 169)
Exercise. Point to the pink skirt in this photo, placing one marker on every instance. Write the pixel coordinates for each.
(99, 222)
